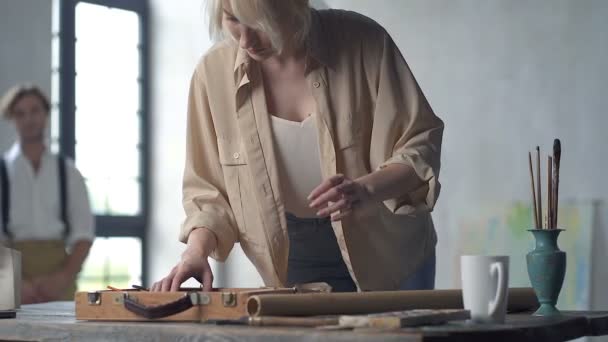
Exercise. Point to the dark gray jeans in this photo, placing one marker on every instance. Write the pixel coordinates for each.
(314, 256)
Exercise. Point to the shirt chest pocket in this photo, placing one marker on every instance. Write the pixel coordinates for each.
(347, 132)
(350, 146)
(234, 166)
(231, 153)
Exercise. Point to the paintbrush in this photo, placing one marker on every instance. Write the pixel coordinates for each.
(535, 212)
(550, 193)
(140, 288)
(539, 187)
(557, 156)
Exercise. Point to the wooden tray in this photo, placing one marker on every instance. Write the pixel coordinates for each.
(186, 305)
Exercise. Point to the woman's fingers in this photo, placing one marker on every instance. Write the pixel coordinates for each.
(207, 278)
(193, 264)
(336, 198)
(166, 283)
(332, 195)
(158, 286)
(347, 187)
(178, 279)
(340, 205)
(334, 188)
(325, 186)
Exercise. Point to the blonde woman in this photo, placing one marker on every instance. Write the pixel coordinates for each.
(310, 143)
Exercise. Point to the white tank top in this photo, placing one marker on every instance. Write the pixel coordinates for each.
(299, 163)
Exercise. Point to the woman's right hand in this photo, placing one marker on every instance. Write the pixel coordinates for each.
(194, 263)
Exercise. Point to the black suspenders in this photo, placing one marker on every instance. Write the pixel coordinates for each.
(4, 197)
(63, 197)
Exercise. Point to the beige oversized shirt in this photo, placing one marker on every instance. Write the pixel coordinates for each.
(371, 113)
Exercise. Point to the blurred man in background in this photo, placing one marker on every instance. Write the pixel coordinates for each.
(44, 208)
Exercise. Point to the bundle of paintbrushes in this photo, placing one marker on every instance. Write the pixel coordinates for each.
(553, 163)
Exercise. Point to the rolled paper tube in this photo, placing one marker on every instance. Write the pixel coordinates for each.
(519, 299)
(292, 321)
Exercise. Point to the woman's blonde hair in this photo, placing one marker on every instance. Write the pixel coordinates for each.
(282, 20)
(16, 93)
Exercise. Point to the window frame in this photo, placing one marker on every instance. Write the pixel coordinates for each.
(107, 225)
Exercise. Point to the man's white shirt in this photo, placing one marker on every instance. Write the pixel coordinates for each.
(35, 200)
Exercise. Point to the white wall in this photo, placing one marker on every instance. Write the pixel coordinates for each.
(177, 39)
(25, 50)
(505, 75)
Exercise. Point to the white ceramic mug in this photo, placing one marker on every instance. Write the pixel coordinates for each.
(485, 282)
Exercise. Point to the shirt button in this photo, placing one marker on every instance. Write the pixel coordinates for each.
(316, 84)
(236, 155)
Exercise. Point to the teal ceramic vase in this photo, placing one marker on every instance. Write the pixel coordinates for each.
(546, 269)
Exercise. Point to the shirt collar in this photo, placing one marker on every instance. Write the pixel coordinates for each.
(15, 152)
(242, 59)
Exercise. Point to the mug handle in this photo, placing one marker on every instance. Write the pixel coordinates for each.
(497, 267)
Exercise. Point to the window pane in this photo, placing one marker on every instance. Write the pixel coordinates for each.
(107, 160)
(55, 52)
(119, 128)
(123, 197)
(54, 123)
(107, 60)
(98, 194)
(55, 88)
(115, 196)
(55, 78)
(54, 145)
(107, 107)
(112, 261)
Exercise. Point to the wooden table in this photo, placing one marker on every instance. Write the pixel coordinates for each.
(55, 322)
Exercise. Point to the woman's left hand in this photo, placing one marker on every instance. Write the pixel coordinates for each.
(338, 196)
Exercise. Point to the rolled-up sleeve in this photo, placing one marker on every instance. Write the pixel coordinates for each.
(405, 130)
(204, 191)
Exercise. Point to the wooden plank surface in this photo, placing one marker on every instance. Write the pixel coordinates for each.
(56, 322)
(519, 327)
(597, 321)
